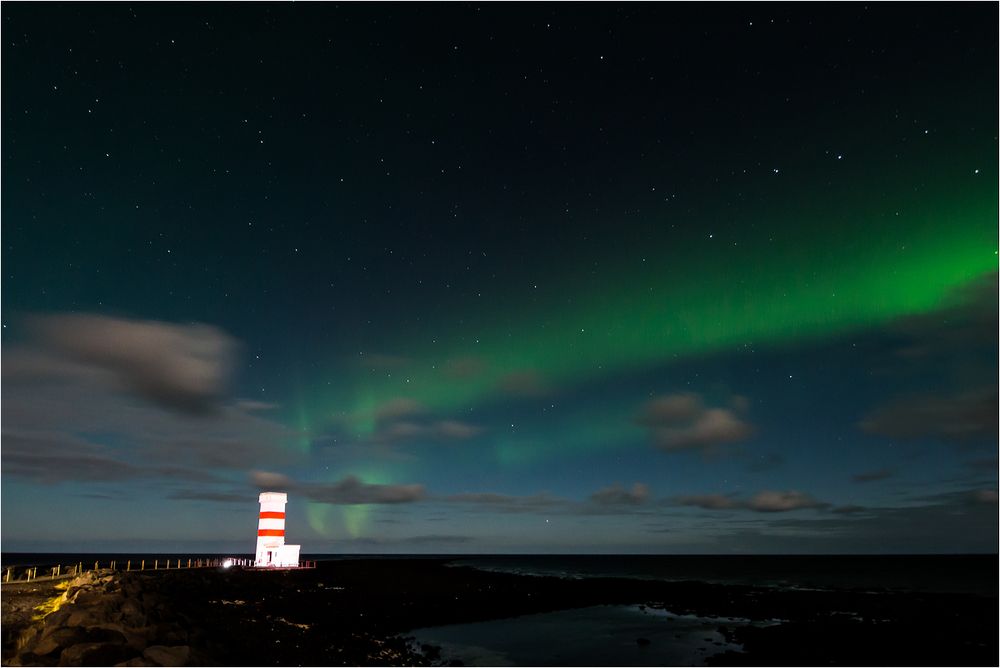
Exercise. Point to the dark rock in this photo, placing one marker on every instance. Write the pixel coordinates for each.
(57, 619)
(94, 654)
(88, 597)
(107, 632)
(161, 655)
(31, 659)
(131, 613)
(643, 642)
(432, 652)
(59, 639)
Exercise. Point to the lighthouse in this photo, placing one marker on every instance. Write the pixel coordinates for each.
(272, 552)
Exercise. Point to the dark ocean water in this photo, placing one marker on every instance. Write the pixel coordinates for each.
(967, 574)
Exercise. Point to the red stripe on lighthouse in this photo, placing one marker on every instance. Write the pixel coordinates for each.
(270, 515)
(271, 532)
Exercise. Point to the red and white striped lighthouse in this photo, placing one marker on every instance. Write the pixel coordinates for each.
(271, 548)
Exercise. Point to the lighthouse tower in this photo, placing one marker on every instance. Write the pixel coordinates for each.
(271, 548)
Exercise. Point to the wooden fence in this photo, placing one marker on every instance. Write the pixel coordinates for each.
(26, 573)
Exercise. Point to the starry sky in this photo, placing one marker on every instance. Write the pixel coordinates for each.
(459, 278)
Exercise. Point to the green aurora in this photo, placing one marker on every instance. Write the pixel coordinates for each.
(670, 306)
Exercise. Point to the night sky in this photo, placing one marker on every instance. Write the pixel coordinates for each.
(654, 278)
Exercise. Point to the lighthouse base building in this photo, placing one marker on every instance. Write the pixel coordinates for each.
(272, 552)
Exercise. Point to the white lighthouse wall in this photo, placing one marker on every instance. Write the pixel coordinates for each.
(288, 555)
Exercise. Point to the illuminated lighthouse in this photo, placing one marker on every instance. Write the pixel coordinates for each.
(271, 549)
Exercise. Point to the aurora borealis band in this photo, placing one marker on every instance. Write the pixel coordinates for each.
(624, 278)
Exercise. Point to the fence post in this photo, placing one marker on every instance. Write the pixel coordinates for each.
(189, 563)
(143, 565)
(128, 565)
(9, 569)
(156, 564)
(96, 564)
(112, 565)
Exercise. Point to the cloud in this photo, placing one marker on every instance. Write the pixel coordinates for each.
(763, 502)
(682, 422)
(963, 418)
(986, 495)
(672, 410)
(966, 323)
(871, 476)
(528, 383)
(779, 502)
(266, 480)
(957, 342)
(397, 408)
(464, 368)
(454, 430)
(616, 495)
(352, 491)
(54, 457)
(395, 433)
(403, 420)
(87, 410)
(955, 522)
(709, 501)
(349, 490)
(180, 367)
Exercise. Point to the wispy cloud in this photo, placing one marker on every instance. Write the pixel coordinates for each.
(98, 399)
(682, 422)
(766, 501)
(966, 417)
(616, 495)
(349, 490)
(525, 383)
(180, 367)
(952, 343)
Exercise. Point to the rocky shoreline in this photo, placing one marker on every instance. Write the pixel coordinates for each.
(359, 613)
(100, 618)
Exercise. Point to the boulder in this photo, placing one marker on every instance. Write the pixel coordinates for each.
(56, 620)
(131, 613)
(31, 659)
(84, 617)
(94, 654)
(59, 639)
(162, 655)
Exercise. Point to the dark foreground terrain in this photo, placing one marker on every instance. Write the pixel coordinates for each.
(359, 613)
